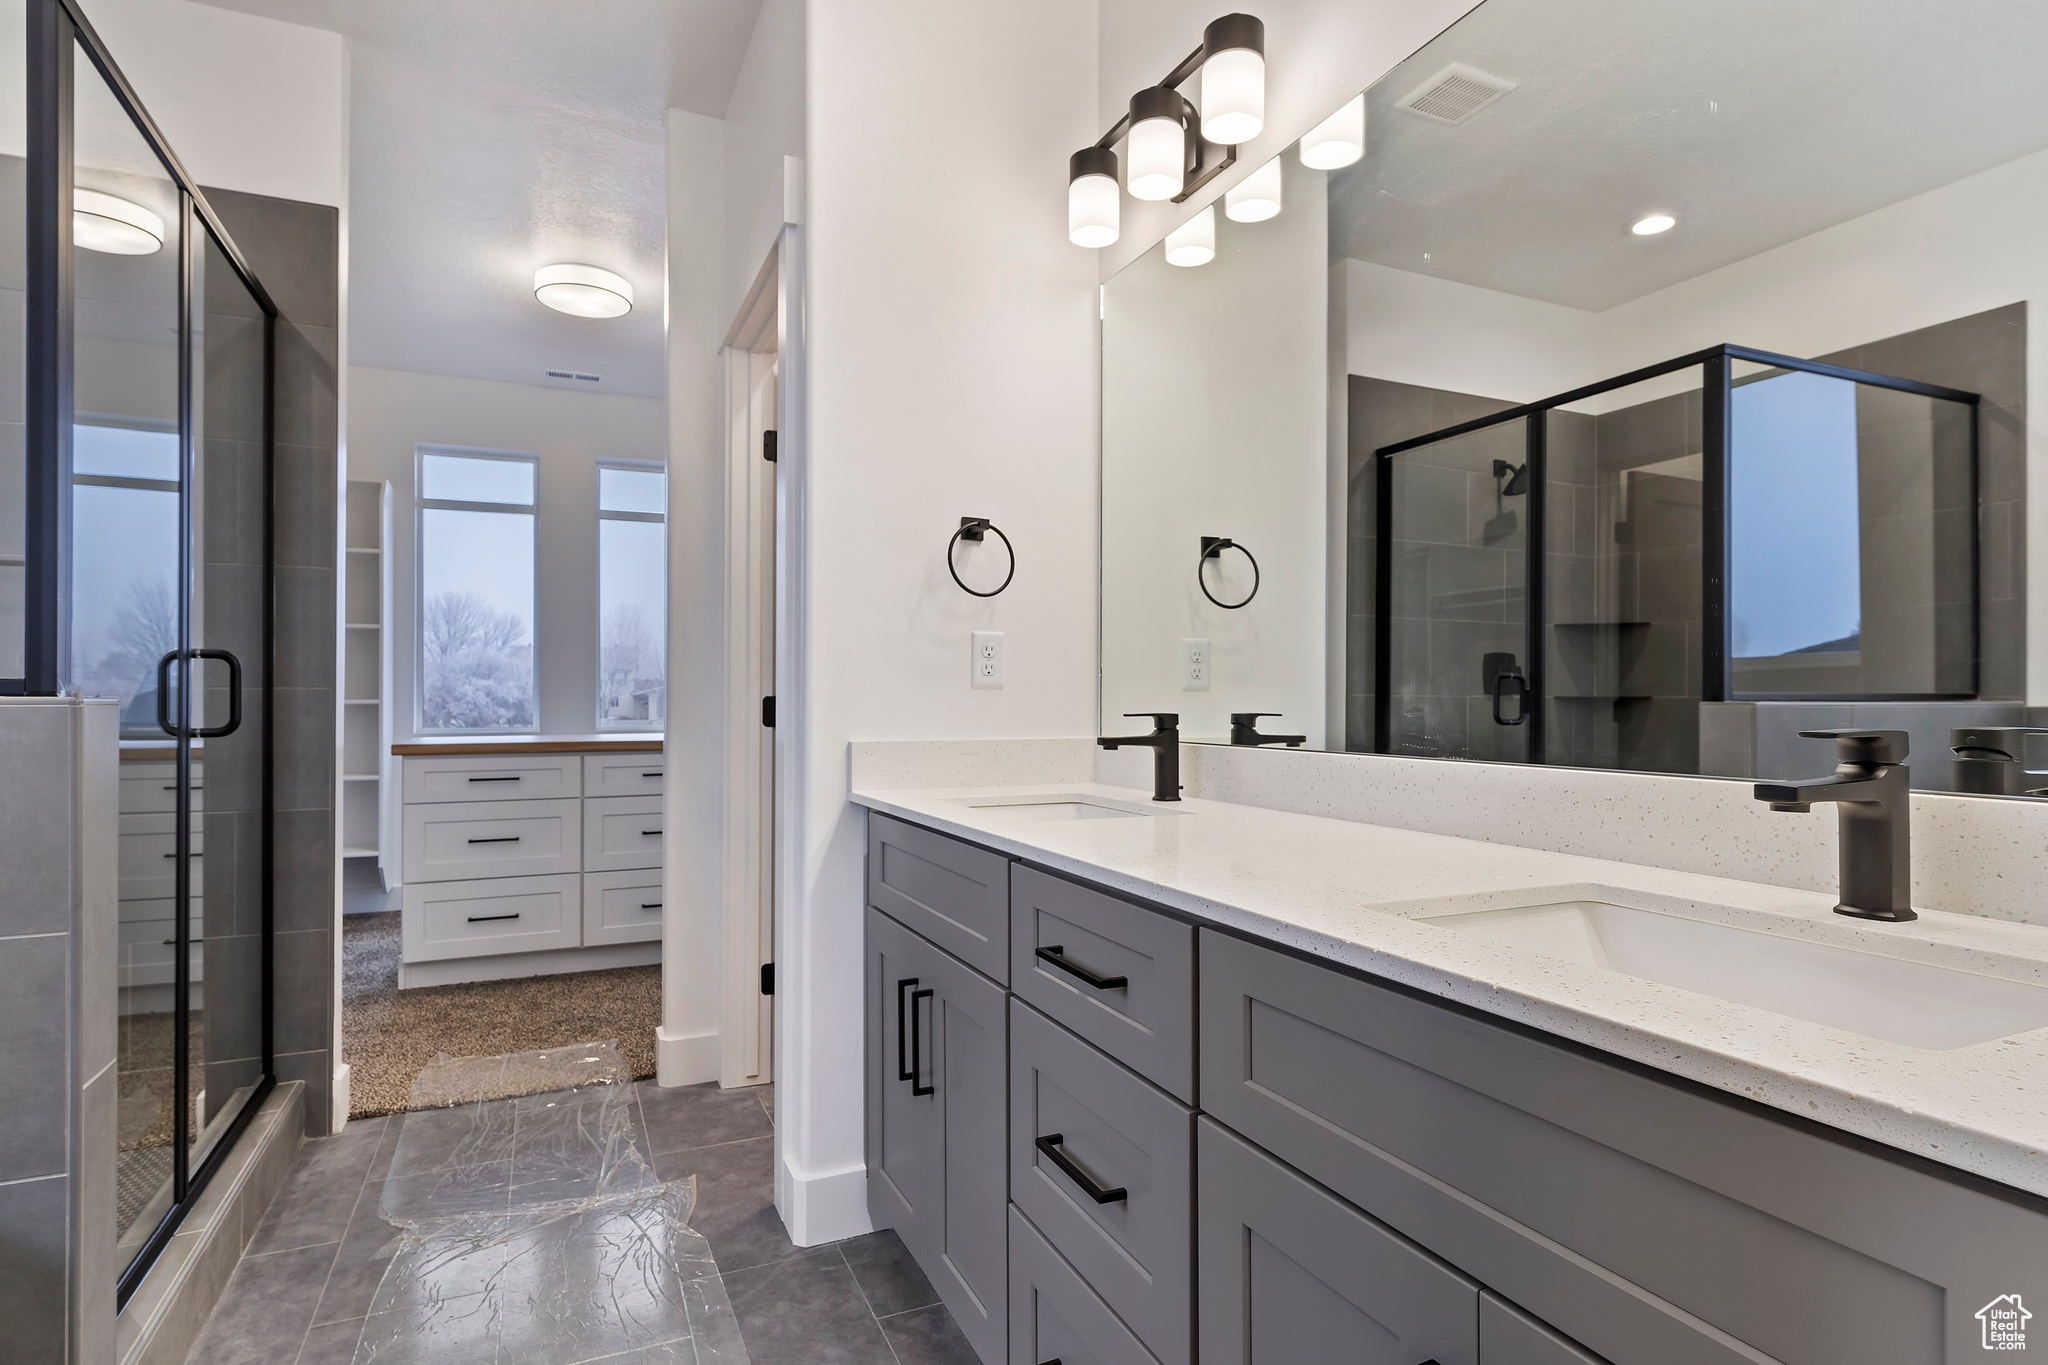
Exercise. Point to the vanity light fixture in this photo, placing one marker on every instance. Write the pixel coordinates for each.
(1174, 149)
(1653, 224)
(1255, 198)
(1338, 140)
(102, 222)
(583, 291)
(1193, 242)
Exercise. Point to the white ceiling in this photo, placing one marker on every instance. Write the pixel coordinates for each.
(1754, 122)
(491, 137)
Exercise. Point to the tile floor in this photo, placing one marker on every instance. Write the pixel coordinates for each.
(309, 1276)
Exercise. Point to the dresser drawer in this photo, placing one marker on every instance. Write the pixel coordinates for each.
(621, 907)
(497, 915)
(1121, 976)
(493, 777)
(153, 787)
(144, 848)
(621, 833)
(1054, 1315)
(622, 774)
(452, 840)
(954, 894)
(1130, 1236)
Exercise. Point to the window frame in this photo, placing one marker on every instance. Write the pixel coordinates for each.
(422, 504)
(597, 555)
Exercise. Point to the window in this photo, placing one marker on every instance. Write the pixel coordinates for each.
(124, 563)
(632, 596)
(476, 662)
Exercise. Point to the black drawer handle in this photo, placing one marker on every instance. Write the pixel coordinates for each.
(172, 786)
(650, 905)
(650, 833)
(903, 1071)
(917, 1044)
(513, 778)
(498, 839)
(486, 919)
(1056, 955)
(195, 855)
(655, 773)
(172, 943)
(1049, 1145)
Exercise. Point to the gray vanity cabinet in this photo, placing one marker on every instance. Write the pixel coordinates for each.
(955, 894)
(1054, 1315)
(1508, 1336)
(937, 1068)
(1290, 1274)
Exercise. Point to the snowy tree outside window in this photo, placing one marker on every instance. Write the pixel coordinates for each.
(476, 599)
(632, 596)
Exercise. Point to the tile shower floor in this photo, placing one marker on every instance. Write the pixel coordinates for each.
(314, 1268)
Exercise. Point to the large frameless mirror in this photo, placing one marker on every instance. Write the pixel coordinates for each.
(1610, 394)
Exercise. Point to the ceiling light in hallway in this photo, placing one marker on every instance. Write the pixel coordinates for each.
(583, 291)
(1653, 224)
(101, 222)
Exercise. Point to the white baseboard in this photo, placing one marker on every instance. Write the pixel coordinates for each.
(508, 965)
(685, 1059)
(340, 1110)
(822, 1208)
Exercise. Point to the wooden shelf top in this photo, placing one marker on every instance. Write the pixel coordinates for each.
(532, 744)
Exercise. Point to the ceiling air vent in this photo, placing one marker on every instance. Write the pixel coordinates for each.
(1455, 93)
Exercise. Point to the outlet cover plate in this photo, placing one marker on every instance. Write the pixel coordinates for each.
(1194, 665)
(986, 664)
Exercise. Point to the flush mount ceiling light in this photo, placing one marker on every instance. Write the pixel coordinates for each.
(1338, 140)
(583, 291)
(1255, 198)
(100, 222)
(1174, 149)
(1652, 224)
(1193, 242)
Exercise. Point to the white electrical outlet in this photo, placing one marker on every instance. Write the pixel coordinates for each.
(1194, 665)
(988, 659)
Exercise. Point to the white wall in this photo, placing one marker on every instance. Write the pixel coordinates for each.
(1214, 423)
(390, 412)
(764, 122)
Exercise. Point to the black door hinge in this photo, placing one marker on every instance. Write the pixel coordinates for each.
(768, 446)
(767, 978)
(768, 712)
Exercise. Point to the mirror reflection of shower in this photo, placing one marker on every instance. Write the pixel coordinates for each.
(1509, 481)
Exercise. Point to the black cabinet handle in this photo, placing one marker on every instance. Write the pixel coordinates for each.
(486, 919)
(655, 773)
(498, 839)
(1049, 1146)
(514, 777)
(650, 832)
(917, 1044)
(1056, 955)
(903, 1071)
(189, 855)
(650, 905)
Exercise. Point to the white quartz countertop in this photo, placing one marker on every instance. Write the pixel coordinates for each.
(1352, 893)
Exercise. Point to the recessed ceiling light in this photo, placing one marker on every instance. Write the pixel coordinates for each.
(1653, 224)
(100, 222)
(583, 291)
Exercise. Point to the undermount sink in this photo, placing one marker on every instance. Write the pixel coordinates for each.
(1057, 806)
(1890, 998)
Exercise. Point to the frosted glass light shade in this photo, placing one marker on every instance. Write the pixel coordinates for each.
(1233, 96)
(583, 291)
(101, 222)
(1338, 140)
(1093, 202)
(1193, 242)
(1255, 198)
(1158, 153)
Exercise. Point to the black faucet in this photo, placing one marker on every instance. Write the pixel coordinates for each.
(1876, 851)
(1164, 742)
(1244, 729)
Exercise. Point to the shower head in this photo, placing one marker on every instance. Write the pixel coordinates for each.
(1517, 476)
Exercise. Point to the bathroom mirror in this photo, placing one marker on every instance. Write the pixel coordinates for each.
(1652, 388)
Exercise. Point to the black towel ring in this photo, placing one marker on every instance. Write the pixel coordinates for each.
(971, 529)
(1213, 548)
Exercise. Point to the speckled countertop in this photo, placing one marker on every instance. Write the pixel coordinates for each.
(1353, 893)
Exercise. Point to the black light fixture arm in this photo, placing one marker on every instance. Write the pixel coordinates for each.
(1203, 163)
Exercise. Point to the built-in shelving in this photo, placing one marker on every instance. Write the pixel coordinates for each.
(369, 796)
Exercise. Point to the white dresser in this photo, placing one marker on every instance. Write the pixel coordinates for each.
(522, 859)
(148, 835)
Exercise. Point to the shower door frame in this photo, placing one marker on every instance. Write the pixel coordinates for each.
(57, 31)
(1717, 389)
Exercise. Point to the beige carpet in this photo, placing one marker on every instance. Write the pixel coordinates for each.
(388, 1035)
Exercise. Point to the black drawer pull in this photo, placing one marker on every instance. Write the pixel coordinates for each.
(498, 839)
(486, 919)
(650, 833)
(655, 773)
(917, 1043)
(1056, 955)
(1049, 1145)
(650, 905)
(195, 855)
(903, 1071)
(512, 778)
(171, 787)
(172, 943)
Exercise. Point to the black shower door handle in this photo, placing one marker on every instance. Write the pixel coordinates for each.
(163, 689)
(1500, 683)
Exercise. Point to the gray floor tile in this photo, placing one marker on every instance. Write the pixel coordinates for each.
(886, 1274)
(806, 1311)
(263, 1314)
(928, 1336)
(735, 1201)
(318, 1195)
(700, 1116)
(460, 1135)
(360, 1263)
(767, 1094)
(333, 1343)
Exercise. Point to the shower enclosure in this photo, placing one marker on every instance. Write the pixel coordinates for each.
(136, 563)
(1568, 581)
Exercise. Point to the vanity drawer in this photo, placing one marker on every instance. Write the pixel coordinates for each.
(457, 839)
(621, 832)
(621, 907)
(1123, 1134)
(955, 894)
(1054, 1315)
(622, 774)
(497, 915)
(1121, 976)
(153, 787)
(144, 848)
(493, 777)
(1508, 1336)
